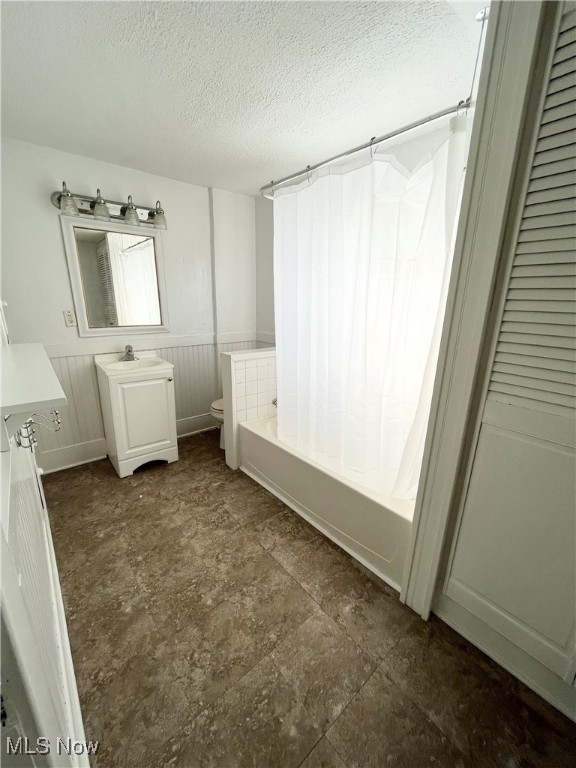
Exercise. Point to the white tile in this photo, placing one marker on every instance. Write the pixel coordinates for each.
(272, 385)
(240, 376)
(262, 411)
(271, 410)
(262, 372)
(240, 416)
(240, 365)
(251, 374)
(263, 398)
(251, 401)
(251, 414)
(252, 363)
(251, 387)
(271, 371)
(240, 390)
(263, 385)
(240, 403)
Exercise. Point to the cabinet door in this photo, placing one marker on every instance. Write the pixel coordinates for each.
(146, 414)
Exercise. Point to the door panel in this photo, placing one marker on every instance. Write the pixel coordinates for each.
(515, 562)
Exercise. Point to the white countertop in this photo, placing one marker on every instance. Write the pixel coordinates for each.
(27, 380)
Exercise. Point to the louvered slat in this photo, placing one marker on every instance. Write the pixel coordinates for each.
(560, 83)
(531, 316)
(559, 331)
(522, 401)
(553, 181)
(560, 127)
(566, 52)
(546, 374)
(558, 112)
(545, 246)
(550, 156)
(567, 35)
(563, 204)
(557, 219)
(543, 270)
(563, 68)
(548, 387)
(538, 340)
(566, 232)
(541, 396)
(542, 306)
(556, 281)
(535, 362)
(561, 97)
(560, 257)
(537, 351)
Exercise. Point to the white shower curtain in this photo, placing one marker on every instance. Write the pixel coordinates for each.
(133, 266)
(362, 256)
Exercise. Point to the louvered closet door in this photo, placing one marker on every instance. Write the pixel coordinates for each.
(106, 284)
(513, 565)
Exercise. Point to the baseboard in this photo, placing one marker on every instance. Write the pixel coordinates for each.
(71, 455)
(82, 453)
(193, 424)
(508, 655)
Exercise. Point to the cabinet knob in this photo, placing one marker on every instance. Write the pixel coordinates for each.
(170, 379)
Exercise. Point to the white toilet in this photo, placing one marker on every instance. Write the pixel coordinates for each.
(217, 412)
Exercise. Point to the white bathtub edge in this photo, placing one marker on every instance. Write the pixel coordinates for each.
(319, 523)
(401, 507)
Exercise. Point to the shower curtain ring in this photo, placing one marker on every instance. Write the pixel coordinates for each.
(372, 140)
(308, 173)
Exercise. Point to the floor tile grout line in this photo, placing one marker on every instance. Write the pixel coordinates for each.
(425, 715)
(324, 731)
(343, 629)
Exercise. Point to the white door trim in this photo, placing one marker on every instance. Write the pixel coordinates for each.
(511, 49)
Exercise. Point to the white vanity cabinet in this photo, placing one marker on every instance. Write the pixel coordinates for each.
(138, 408)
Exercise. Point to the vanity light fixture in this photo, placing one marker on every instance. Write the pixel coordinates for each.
(66, 203)
(157, 217)
(99, 208)
(74, 204)
(131, 214)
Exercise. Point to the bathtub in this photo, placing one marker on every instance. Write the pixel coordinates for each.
(373, 528)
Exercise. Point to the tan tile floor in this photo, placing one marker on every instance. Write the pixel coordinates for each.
(211, 626)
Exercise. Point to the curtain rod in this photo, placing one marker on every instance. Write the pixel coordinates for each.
(465, 104)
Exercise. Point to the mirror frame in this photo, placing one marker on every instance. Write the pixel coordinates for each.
(68, 224)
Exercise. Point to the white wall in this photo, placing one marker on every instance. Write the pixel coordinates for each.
(264, 270)
(36, 285)
(34, 262)
(234, 262)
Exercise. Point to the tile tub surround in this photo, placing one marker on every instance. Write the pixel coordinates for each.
(249, 389)
(212, 626)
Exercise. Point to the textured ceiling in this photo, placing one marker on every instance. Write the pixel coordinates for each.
(228, 94)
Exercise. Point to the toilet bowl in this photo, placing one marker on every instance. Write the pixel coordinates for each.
(217, 412)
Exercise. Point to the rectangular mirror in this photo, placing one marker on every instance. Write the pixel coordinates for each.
(116, 277)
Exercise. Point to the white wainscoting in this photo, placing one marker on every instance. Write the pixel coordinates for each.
(197, 382)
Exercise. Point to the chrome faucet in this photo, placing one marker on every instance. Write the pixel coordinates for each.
(128, 354)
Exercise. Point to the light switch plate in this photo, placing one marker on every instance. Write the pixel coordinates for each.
(70, 318)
